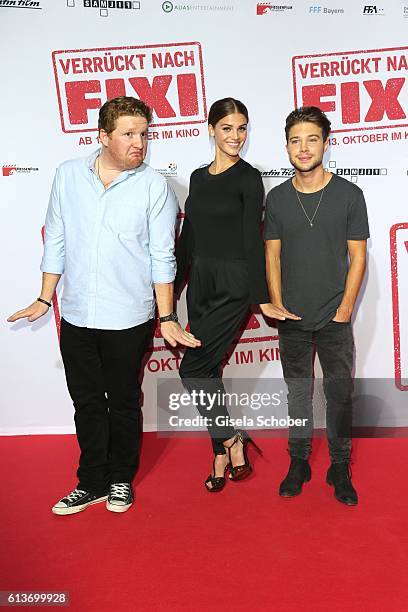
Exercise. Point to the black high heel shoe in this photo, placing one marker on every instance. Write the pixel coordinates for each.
(217, 482)
(239, 472)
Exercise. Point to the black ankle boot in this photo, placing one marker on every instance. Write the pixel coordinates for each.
(339, 476)
(299, 472)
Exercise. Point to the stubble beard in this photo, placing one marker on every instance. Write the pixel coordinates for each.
(137, 161)
(304, 170)
(122, 162)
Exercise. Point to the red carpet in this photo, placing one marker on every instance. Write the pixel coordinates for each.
(180, 548)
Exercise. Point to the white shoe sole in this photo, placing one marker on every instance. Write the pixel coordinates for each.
(117, 508)
(76, 509)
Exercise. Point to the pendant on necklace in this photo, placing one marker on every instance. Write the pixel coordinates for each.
(311, 224)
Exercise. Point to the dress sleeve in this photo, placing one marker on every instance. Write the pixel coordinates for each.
(184, 251)
(253, 195)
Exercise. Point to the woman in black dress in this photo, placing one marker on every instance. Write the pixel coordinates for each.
(221, 241)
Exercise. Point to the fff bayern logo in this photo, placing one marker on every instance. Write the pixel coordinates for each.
(168, 77)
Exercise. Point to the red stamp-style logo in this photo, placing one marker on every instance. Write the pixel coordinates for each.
(359, 90)
(168, 77)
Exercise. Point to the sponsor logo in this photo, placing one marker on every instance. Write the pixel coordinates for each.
(350, 173)
(373, 9)
(262, 8)
(105, 5)
(171, 170)
(169, 7)
(278, 173)
(169, 78)
(10, 169)
(359, 90)
(354, 173)
(22, 4)
(325, 10)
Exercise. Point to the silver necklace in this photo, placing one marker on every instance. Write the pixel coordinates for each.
(317, 207)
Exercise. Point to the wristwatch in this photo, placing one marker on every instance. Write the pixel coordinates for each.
(171, 317)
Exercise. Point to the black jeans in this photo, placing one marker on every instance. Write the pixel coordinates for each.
(102, 369)
(335, 347)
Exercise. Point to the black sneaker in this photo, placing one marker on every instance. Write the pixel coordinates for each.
(120, 497)
(299, 472)
(339, 476)
(76, 501)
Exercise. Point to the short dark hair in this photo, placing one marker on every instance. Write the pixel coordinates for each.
(119, 107)
(311, 114)
(223, 108)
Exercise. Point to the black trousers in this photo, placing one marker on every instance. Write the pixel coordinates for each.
(217, 303)
(102, 369)
(335, 347)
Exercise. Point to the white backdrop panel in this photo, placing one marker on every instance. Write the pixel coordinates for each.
(238, 48)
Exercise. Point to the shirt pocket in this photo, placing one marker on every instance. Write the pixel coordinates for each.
(134, 242)
(127, 217)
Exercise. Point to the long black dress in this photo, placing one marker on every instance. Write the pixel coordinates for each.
(221, 241)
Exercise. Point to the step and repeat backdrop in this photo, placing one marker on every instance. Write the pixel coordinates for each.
(63, 58)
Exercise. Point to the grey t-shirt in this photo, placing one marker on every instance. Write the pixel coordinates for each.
(314, 260)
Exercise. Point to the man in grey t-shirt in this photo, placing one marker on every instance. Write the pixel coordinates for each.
(316, 232)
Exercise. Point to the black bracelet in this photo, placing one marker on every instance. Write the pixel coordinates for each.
(44, 302)
(171, 317)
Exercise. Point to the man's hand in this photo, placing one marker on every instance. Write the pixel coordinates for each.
(277, 312)
(31, 313)
(174, 334)
(343, 315)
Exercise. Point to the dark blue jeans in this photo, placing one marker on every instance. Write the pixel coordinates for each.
(335, 347)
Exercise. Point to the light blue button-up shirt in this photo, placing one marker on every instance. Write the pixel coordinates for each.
(111, 245)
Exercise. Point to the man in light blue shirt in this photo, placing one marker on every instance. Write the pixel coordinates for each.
(110, 229)
(111, 243)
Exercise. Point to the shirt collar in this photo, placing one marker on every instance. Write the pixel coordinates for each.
(90, 162)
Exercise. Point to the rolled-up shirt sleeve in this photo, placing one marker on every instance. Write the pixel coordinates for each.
(162, 231)
(53, 260)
